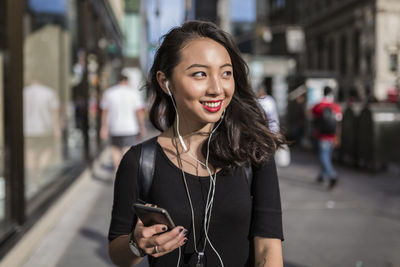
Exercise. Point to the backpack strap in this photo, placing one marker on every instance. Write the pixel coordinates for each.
(248, 173)
(147, 164)
(146, 167)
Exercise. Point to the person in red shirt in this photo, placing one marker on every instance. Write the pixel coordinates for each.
(326, 116)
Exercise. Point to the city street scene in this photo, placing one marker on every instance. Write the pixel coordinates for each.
(82, 81)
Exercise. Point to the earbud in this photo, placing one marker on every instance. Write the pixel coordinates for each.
(169, 91)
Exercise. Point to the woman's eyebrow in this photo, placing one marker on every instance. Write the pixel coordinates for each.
(197, 66)
(205, 66)
(226, 65)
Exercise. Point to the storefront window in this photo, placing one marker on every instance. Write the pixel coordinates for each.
(53, 138)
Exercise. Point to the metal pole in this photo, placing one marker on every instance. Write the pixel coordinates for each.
(13, 100)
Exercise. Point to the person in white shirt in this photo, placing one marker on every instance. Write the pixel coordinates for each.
(42, 129)
(122, 118)
(269, 106)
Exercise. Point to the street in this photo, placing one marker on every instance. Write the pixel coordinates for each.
(355, 224)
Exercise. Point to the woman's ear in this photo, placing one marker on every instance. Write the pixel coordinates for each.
(162, 81)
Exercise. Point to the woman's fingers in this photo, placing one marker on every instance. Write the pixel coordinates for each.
(148, 232)
(177, 234)
(166, 242)
(142, 234)
(139, 223)
(171, 245)
(156, 241)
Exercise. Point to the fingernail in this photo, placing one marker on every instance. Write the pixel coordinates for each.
(185, 232)
(164, 228)
(180, 230)
(184, 241)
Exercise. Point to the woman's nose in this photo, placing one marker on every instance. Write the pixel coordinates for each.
(214, 86)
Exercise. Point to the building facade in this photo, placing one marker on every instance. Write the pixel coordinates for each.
(354, 41)
(278, 31)
(358, 41)
(55, 59)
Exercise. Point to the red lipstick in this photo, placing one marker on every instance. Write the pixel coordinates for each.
(212, 106)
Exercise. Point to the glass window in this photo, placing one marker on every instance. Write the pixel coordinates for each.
(277, 4)
(310, 57)
(356, 51)
(53, 138)
(343, 55)
(321, 52)
(394, 62)
(331, 55)
(280, 3)
(368, 62)
(41, 104)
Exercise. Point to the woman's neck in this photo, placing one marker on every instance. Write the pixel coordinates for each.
(193, 137)
(192, 159)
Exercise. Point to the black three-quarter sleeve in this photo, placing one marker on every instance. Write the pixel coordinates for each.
(123, 218)
(267, 211)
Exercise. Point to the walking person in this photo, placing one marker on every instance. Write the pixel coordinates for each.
(122, 118)
(326, 115)
(268, 104)
(226, 212)
(42, 132)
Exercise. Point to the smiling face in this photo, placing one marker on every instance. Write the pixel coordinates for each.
(202, 82)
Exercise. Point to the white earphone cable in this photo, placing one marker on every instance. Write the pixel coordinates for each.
(211, 191)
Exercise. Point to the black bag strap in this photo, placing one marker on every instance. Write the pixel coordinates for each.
(146, 167)
(248, 172)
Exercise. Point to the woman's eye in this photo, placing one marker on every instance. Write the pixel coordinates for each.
(227, 73)
(199, 74)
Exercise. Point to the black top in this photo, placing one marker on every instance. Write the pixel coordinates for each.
(235, 219)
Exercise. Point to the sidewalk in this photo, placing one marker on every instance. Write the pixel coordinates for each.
(356, 224)
(80, 236)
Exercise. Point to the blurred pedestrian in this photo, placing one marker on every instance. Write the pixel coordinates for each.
(122, 118)
(300, 119)
(326, 117)
(297, 114)
(267, 102)
(42, 129)
(214, 146)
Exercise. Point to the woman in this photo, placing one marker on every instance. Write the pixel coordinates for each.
(211, 127)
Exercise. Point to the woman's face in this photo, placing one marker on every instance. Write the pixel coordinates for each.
(202, 82)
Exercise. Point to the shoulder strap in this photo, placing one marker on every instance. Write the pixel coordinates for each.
(146, 167)
(147, 163)
(248, 172)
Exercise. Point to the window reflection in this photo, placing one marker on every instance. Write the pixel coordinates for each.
(53, 140)
(42, 134)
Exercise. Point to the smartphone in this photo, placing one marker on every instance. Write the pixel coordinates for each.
(153, 215)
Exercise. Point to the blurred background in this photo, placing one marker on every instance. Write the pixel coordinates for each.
(57, 57)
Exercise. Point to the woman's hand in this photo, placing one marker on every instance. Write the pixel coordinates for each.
(153, 240)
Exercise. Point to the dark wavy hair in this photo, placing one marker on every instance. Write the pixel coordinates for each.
(243, 134)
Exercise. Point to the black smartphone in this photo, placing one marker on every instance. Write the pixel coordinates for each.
(153, 215)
